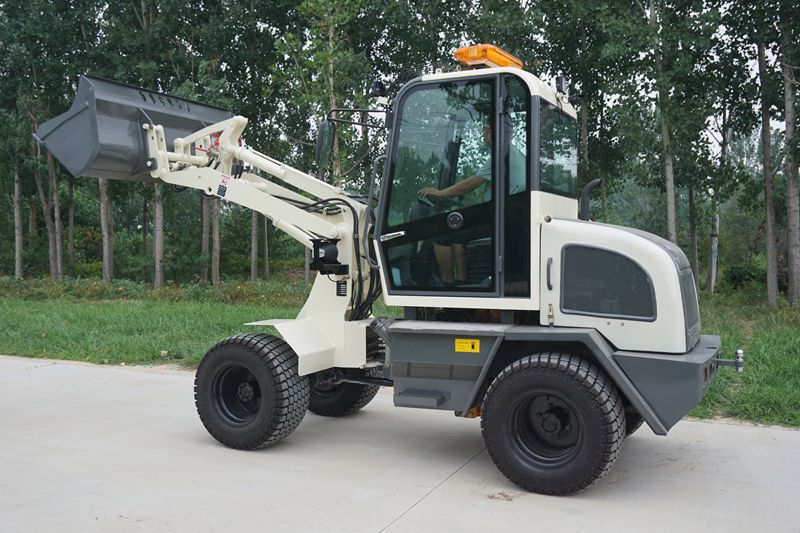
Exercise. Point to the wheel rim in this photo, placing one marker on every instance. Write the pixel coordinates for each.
(237, 395)
(545, 429)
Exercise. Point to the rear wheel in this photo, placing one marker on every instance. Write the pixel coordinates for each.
(248, 392)
(553, 423)
(339, 399)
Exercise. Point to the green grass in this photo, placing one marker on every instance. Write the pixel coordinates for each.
(132, 331)
(768, 391)
(99, 323)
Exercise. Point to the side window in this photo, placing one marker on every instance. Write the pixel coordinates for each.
(558, 158)
(517, 214)
(600, 282)
(517, 106)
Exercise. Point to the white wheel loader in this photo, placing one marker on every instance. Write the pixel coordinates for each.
(563, 335)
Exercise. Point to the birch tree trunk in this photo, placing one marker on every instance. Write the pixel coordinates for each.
(204, 223)
(51, 174)
(215, 281)
(158, 236)
(769, 184)
(254, 246)
(266, 249)
(106, 229)
(18, 224)
(790, 171)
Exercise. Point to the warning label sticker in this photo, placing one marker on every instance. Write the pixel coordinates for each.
(468, 345)
(223, 186)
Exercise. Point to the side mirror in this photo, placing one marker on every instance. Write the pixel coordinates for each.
(325, 133)
(585, 194)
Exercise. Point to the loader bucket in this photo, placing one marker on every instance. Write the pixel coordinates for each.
(101, 135)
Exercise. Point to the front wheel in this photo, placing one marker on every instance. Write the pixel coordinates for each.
(553, 423)
(248, 392)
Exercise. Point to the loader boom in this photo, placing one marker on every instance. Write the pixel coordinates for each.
(329, 330)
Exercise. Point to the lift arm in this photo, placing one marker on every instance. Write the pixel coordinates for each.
(122, 132)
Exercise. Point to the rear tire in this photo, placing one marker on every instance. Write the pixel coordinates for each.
(248, 392)
(341, 399)
(553, 423)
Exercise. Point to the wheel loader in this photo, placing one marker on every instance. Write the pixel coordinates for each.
(561, 334)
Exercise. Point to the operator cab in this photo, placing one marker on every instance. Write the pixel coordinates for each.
(468, 152)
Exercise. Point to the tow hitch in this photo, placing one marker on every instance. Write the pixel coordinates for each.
(737, 363)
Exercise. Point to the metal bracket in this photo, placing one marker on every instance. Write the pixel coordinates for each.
(737, 363)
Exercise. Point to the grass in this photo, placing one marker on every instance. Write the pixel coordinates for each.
(768, 391)
(127, 323)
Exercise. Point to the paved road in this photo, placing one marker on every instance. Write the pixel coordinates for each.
(95, 448)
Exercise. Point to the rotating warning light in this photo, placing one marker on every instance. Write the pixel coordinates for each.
(486, 55)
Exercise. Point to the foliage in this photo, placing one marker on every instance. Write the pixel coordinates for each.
(284, 64)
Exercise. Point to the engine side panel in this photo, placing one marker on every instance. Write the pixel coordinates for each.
(663, 330)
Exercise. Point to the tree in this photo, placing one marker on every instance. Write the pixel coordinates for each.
(789, 55)
(107, 229)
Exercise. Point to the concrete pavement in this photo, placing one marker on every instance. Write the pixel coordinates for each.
(98, 448)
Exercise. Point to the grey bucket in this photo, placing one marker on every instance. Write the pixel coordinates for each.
(101, 135)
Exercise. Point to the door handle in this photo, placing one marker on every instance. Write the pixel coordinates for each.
(549, 281)
(389, 236)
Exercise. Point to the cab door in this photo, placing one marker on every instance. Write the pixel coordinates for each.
(438, 228)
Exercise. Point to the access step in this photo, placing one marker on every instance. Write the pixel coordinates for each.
(420, 398)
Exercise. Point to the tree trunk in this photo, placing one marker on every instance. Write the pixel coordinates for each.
(669, 176)
(158, 236)
(254, 246)
(769, 184)
(18, 224)
(266, 249)
(337, 164)
(711, 280)
(106, 229)
(32, 220)
(713, 260)
(48, 223)
(790, 171)
(693, 238)
(204, 228)
(666, 139)
(215, 282)
(145, 225)
(307, 264)
(51, 174)
(584, 166)
(71, 227)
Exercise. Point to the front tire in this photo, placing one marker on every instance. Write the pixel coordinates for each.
(248, 392)
(553, 423)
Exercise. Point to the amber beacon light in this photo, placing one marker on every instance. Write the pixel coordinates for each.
(486, 55)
